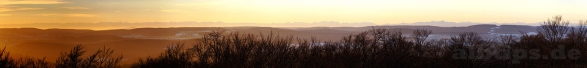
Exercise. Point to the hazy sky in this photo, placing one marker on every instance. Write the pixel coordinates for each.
(281, 11)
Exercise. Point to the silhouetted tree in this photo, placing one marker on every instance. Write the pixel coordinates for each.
(71, 59)
(554, 29)
(5, 60)
(420, 35)
(100, 59)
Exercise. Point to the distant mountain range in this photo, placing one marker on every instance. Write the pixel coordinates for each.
(127, 25)
(460, 24)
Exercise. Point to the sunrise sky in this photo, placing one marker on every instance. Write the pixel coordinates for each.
(281, 11)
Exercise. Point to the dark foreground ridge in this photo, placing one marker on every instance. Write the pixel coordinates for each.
(555, 45)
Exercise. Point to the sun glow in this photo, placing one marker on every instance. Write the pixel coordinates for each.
(282, 11)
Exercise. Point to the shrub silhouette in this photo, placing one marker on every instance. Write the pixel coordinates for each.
(27, 62)
(73, 59)
(100, 59)
(175, 56)
(30, 62)
(6, 61)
